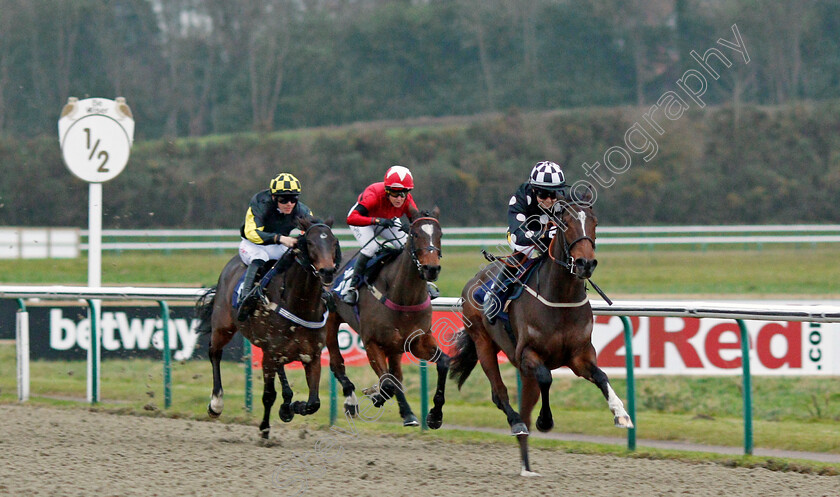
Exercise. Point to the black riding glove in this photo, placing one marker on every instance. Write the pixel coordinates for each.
(384, 222)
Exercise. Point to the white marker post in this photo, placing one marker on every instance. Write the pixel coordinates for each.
(95, 136)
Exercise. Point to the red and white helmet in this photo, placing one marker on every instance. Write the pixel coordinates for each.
(399, 178)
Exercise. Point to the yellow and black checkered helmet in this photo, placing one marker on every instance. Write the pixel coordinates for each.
(285, 184)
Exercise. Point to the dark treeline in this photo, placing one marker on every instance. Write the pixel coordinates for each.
(203, 67)
(722, 164)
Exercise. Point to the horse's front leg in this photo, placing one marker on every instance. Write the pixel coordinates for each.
(313, 380)
(586, 367)
(535, 372)
(286, 413)
(348, 389)
(425, 347)
(378, 362)
(269, 394)
(392, 385)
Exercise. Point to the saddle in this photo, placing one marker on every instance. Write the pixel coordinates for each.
(506, 287)
(372, 269)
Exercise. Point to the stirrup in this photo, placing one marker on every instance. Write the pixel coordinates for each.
(351, 296)
(249, 303)
(434, 291)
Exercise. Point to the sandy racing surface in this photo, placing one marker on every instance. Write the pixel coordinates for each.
(46, 451)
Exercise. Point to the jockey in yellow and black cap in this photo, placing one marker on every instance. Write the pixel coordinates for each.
(270, 218)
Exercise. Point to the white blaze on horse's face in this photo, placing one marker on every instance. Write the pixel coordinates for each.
(582, 218)
(323, 235)
(428, 229)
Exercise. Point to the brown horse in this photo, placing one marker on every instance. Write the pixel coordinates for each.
(288, 325)
(550, 325)
(395, 317)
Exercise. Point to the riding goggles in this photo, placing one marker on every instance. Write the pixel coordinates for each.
(286, 199)
(545, 193)
(397, 193)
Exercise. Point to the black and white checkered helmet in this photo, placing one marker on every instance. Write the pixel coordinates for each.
(548, 176)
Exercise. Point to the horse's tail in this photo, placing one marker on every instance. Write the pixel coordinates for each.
(464, 360)
(204, 309)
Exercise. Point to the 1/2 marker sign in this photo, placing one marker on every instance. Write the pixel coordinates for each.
(96, 136)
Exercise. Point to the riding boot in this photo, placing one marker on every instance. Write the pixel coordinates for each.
(351, 295)
(247, 298)
(492, 306)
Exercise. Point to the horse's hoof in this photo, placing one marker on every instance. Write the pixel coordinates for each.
(213, 414)
(525, 472)
(264, 433)
(434, 420)
(351, 410)
(410, 420)
(545, 425)
(378, 400)
(519, 429)
(623, 422)
(286, 413)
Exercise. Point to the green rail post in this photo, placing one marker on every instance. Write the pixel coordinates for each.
(167, 356)
(519, 390)
(93, 352)
(424, 395)
(631, 382)
(745, 361)
(333, 399)
(249, 391)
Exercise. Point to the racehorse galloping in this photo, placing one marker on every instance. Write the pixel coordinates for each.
(395, 317)
(288, 327)
(550, 325)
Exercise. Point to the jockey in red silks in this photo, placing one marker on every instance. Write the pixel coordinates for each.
(377, 213)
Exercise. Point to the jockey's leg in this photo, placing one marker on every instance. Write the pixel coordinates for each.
(246, 300)
(365, 236)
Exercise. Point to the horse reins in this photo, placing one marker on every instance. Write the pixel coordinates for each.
(390, 304)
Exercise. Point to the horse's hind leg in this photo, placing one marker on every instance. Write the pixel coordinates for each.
(348, 389)
(392, 386)
(586, 367)
(218, 339)
(269, 394)
(286, 413)
(313, 378)
(490, 365)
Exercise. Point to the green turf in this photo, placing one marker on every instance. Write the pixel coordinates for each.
(770, 271)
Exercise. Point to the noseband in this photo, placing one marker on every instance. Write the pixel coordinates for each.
(413, 249)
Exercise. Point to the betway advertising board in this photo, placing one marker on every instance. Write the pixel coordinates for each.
(62, 332)
(661, 345)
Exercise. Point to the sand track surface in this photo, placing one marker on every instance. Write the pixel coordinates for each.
(69, 452)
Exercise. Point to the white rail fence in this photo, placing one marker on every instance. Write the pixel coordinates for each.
(30, 243)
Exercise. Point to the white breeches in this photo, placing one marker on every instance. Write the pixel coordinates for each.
(250, 251)
(366, 234)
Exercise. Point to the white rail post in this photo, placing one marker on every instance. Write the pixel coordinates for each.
(22, 350)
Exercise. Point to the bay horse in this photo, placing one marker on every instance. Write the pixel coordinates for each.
(550, 325)
(395, 317)
(288, 325)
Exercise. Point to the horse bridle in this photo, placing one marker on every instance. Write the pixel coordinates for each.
(568, 261)
(302, 256)
(413, 249)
